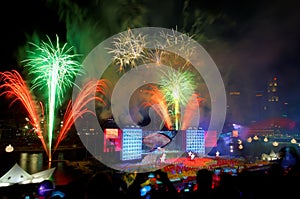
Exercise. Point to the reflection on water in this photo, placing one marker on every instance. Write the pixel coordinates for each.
(32, 163)
(36, 162)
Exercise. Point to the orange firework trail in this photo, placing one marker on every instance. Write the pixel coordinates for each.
(86, 95)
(157, 98)
(14, 86)
(16, 89)
(190, 110)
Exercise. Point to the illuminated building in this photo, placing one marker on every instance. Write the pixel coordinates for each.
(273, 104)
(195, 141)
(132, 144)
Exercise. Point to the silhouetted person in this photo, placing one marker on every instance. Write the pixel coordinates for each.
(134, 189)
(101, 185)
(281, 180)
(289, 161)
(165, 190)
(162, 191)
(227, 187)
(247, 183)
(204, 178)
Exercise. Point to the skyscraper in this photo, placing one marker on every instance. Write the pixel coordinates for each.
(273, 106)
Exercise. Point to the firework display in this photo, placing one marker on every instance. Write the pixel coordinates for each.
(52, 69)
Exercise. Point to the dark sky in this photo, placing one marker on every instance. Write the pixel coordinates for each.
(20, 20)
(248, 40)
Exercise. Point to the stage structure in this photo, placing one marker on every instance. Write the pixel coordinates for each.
(131, 144)
(112, 140)
(195, 141)
(133, 149)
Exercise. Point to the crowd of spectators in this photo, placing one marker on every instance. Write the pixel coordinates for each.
(279, 180)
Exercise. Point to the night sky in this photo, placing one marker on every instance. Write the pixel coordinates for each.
(248, 40)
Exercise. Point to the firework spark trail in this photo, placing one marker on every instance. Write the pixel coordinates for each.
(128, 48)
(15, 86)
(86, 95)
(155, 56)
(53, 68)
(178, 41)
(162, 109)
(177, 87)
(190, 110)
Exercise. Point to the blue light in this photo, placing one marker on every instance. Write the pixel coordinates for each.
(145, 190)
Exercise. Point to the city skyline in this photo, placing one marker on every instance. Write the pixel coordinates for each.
(268, 103)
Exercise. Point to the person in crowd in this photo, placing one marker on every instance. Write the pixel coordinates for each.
(204, 185)
(135, 189)
(246, 184)
(101, 185)
(227, 187)
(145, 186)
(290, 161)
(165, 190)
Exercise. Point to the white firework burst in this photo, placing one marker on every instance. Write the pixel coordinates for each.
(127, 49)
(174, 40)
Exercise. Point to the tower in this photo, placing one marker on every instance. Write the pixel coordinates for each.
(273, 104)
